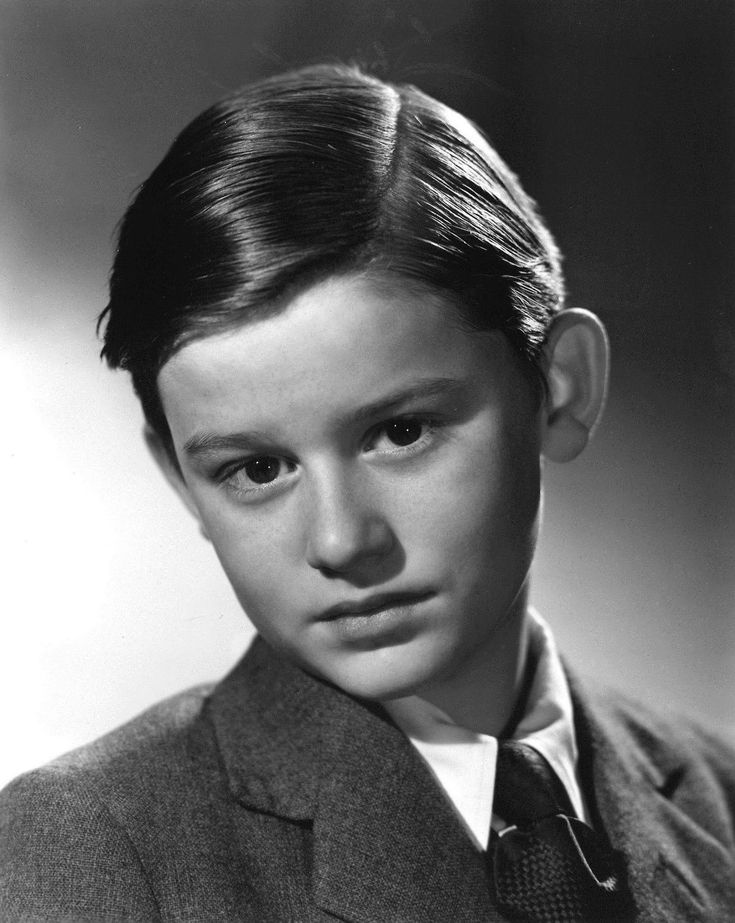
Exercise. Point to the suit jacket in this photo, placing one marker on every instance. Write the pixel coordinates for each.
(277, 797)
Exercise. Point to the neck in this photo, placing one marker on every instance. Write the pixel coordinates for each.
(484, 696)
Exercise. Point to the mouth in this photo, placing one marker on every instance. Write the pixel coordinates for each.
(372, 605)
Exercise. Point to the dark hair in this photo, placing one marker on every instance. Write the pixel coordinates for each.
(316, 171)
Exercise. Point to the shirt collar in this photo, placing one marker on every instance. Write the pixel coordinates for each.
(463, 761)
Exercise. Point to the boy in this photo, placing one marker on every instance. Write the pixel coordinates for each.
(344, 320)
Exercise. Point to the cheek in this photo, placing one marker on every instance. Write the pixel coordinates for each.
(484, 494)
(254, 553)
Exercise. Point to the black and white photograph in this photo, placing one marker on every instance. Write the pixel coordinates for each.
(368, 394)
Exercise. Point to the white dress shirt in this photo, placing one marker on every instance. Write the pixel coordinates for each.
(463, 761)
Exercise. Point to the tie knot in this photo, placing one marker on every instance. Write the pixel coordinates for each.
(526, 788)
(547, 866)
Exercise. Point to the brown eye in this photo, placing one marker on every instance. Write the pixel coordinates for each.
(404, 432)
(263, 469)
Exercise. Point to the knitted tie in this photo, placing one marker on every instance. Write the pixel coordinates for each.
(547, 866)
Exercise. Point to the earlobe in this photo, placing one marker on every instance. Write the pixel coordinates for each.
(171, 472)
(577, 361)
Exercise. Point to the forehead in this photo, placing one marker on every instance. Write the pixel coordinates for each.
(340, 342)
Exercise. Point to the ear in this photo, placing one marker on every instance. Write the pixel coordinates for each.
(171, 472)
(577, 356)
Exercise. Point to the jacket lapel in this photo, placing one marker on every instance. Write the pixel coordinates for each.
(677, 870)
(386, 844)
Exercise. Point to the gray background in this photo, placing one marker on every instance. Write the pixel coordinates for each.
(618, 118)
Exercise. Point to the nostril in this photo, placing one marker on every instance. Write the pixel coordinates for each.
(329, 572)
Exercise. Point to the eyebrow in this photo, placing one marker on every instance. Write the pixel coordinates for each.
(208, 443)
(415, 390)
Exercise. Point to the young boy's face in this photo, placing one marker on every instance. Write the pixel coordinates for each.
(368, 472)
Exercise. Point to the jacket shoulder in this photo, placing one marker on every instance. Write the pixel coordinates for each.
(680, 755)
(68, 843)
(680, 735)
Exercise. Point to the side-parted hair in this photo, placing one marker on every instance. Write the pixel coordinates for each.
(320, 171)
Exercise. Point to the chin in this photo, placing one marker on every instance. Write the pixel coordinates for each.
(384, 673)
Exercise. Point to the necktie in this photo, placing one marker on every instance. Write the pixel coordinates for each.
(547, 865)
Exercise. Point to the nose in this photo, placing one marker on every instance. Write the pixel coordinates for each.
(346, 531)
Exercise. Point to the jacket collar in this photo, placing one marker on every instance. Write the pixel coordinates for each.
(642, 784)
(386, 843)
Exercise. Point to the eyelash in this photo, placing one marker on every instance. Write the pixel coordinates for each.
(228, 475)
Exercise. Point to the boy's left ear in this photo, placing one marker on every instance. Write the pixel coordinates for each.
(577, 356)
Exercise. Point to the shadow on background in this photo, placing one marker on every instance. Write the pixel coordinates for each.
(618, 118)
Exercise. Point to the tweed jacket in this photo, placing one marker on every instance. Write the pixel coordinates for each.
(276, 797)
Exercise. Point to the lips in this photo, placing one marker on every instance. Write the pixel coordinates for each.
(372, 605)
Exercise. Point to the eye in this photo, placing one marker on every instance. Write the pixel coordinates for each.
(258, 476)
(403, 432)
(403, 435)
(263, 469)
